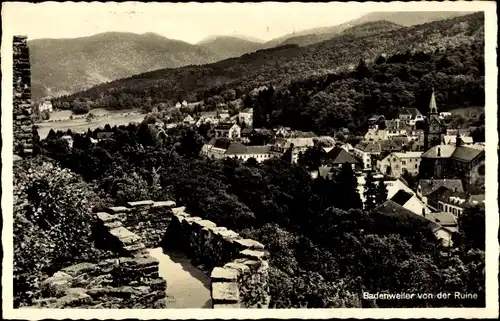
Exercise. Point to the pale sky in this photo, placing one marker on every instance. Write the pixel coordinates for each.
(189, 22)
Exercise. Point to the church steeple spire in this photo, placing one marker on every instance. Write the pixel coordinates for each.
(432, 103)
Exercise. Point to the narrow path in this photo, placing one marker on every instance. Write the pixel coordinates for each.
(187, 286)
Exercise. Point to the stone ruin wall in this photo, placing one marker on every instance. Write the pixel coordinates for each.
(238, 267)
(22, 122)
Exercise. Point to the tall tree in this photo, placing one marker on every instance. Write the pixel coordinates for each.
(472, 227)
(370, 192)
(347, 188)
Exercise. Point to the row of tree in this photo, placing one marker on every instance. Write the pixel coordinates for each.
(325, 249)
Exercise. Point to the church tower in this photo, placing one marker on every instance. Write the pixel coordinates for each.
(434, 129)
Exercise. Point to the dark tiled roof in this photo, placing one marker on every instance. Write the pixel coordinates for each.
(235, 148)
(466, 154)
(257, 149)
(442, 218)
(440, 151)
(443, 194)
(339, 156)
(477, 198)
(300, 134)
(391, 145)
(369, 147)
(246, 131)
(222, 143)
(401, 197)
(224, 126)
(392, 208)
(396, 124)
(430, 185)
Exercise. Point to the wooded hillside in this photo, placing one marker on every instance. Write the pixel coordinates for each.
(232, 78)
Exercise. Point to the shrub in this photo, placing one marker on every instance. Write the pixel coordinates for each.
(52, 228)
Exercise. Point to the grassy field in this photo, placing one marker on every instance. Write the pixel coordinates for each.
(60, 121)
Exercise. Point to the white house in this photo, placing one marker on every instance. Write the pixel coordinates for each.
(452, 140)
(376, 135)
(410, 116)
(396, 163)
(188, 120)
(364, 150)
(443, 233)
(410, 202)
(225, 148)
(396, 127)
(427, 186)
(184, 103)
(45, 106)
(246, 116)
(227, 130)
(444, 115)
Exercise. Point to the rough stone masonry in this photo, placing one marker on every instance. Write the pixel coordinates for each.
(23, 123)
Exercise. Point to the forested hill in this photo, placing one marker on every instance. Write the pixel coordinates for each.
(325, 103)
(232, 78)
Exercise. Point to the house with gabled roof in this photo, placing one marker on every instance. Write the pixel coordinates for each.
(188, 120)
(364, 151)
(442, 233)
(410, 202)
(453, 202)
(397, 163)
(227, 130)
(410, 116)
(337, 157)
(375, 120)
(219, 148)
(455, 161)
(397, 127)
(246, 116)
(452, 140)
(375, 135)
(427, 186)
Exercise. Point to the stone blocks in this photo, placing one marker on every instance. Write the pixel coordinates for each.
(23, 124)
(238, 267)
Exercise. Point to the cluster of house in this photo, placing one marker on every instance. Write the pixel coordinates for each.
(244, 117)
(231, 141)
(450, 167)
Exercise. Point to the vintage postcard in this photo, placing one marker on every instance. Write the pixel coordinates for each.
(295, 160)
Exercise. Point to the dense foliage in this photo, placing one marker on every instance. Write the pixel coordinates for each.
(52, 225)
(236, 77)
(324, 253)
(326, 103)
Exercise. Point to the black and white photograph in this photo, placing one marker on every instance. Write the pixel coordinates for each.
(173, 157)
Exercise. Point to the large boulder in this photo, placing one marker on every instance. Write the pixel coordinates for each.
(56, 285)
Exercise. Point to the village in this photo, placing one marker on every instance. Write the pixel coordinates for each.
(429, 170)
(433, 172)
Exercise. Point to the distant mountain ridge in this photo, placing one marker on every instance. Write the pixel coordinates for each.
(64, 66)
(279, 66)
(403, 18)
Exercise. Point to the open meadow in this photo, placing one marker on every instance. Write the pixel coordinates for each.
(60, 120)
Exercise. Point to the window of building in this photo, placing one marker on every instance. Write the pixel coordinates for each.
(404, 162)
(416, 166)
